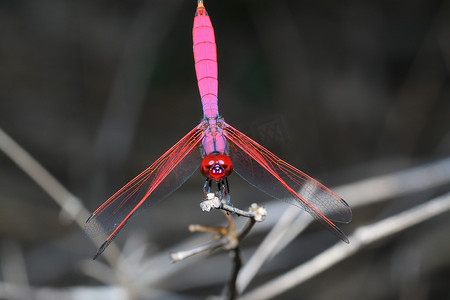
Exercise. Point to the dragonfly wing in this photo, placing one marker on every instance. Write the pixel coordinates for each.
(270, 174)
(158, 181)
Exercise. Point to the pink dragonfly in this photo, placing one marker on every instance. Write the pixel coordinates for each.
(217, 149)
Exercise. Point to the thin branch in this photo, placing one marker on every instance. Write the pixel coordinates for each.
(72, 208)
(292, 223)
(246, 229)
(231, 292)
(358, 193)
(383, 187)
(256, 212)
(229, 237)
(154, 270)
(207, 247)
(14, 291)
(362, 237)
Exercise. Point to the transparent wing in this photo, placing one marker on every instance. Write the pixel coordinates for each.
(163, 177)
(270, 174)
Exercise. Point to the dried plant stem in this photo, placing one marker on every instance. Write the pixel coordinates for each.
(291, 223)
(235, 210)
(229, 239)
(255, 212)
(383, 187)
(231, 292)
(207, 247)
(72, 208)
(362, 237)
(361, 193)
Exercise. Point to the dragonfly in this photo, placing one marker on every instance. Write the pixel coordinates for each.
(218, 150)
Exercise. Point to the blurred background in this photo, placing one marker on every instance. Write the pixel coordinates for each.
(344, 90)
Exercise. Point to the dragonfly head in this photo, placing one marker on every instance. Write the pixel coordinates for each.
(216, 167)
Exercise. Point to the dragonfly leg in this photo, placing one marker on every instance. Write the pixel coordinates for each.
(228, 192)
(207, 186)
(222, 192)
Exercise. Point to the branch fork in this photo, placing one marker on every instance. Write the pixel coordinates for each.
(226, 238)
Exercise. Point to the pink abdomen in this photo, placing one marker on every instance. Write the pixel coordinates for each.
(206, 64)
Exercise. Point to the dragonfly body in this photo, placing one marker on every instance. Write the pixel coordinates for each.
(217, 149)
(205, 57)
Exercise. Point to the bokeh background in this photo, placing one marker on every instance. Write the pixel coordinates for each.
(344, 90)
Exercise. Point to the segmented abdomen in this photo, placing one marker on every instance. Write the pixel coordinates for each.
(206, 64)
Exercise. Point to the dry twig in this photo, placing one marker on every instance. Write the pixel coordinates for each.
(229, 239)
(362, 237)
(360, 193)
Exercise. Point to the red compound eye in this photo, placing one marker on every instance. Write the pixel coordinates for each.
(226, 163)
(207, 162)
(216, 167)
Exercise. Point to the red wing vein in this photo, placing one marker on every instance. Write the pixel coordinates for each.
(176, 165)
(284, 181)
